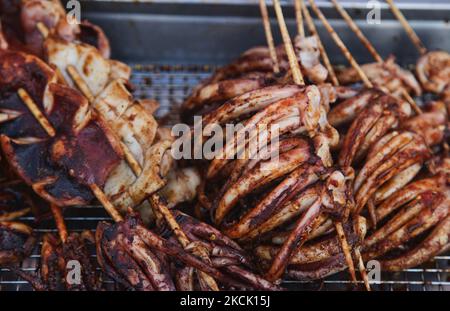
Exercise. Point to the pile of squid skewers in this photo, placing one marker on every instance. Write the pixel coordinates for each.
(367, 157)
(72, 131)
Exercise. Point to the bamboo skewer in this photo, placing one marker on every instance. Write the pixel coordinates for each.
(371, 49)
(299, 18)
(346, 249)
(323, 53)
(59, 220)
(34, 109)
(341, 44)
(409, 30)
(269, 36)
(357, 31)
(293, 61)
(362, 269)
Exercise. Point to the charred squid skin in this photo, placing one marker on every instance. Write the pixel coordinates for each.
(411, 211)
(262, 123)
(294, 183)
(332, 263)
(355, 135)
(347, 110)
(414, 152)
(115, 262)
(303, 227)
(17, 242)
(435, 243)
(149, 263)
(427, 218)
(287, 212)
(408, 193)
(383, 153)
(206, 232)
(335, 201)
(396, 183)
(385, 74)
(16, 200)
(312, 252)
(431, 124)
(242, 167)
(263, 173)
(130, 232)
(58, 171)
(224, 90)
(369, 122)
(250, 102)
(318, 270)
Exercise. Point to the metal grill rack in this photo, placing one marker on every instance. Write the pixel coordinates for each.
(169, 85)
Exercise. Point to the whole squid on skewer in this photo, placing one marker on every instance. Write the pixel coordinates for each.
(297, 110)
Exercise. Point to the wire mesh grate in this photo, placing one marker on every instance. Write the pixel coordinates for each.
(170, 85)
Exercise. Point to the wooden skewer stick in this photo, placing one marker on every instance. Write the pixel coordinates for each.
(362, 269)
(103, 199)
(80, 83)
(411, 101)
(59, 220)
(346, 249)
(43, 29)
(299, 18)
(371, 49)
(293, 61)
(269, 36)
(409, 30)
(341, 44)
(29, 102)
(357, 31)
(323, 53)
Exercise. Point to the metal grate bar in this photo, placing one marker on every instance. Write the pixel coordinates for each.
(170, 85)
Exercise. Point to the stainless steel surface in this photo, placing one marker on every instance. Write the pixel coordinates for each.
(170, 85)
